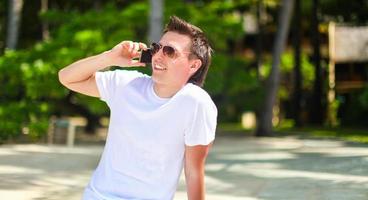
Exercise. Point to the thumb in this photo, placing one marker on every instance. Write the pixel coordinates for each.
(136, 63)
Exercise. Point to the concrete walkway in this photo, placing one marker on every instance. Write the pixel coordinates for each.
(237, 168)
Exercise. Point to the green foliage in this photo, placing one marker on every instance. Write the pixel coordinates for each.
(31, 92)
(344, 134)
(307, 68)
(216, 18)
(233, 86)
(333, 112)
(342, 11)
(355, 108)
(286, 69)
(363, 98)
(30, 89)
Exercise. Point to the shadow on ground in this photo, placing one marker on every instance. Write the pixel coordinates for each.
(237, 168)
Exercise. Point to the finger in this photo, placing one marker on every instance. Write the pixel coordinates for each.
(136, 54)
(135, 51)
(136, 46)
(135, 57)
(125, 46)
(131, 46)
(142, 46)
(136, 63)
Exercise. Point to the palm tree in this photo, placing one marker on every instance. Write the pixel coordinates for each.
(155, 20)
(297, 92)
(264, 121)
(316, 114)
(14, 16)
(45, 25)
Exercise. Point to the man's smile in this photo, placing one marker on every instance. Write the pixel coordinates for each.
(159, 67)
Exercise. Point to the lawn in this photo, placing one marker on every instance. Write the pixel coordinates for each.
(340, 133)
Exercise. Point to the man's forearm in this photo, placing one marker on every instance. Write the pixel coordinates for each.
(195, 158)
(195, 187)
(84, 68)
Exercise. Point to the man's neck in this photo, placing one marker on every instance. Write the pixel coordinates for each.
(165, 91)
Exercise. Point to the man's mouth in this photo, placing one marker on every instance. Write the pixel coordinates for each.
(159, 67)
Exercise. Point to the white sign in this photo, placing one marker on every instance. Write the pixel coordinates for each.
(349, 44)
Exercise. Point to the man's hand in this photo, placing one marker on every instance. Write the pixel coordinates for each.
(126, 54)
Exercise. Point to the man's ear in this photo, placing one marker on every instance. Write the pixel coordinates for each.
(195, 65)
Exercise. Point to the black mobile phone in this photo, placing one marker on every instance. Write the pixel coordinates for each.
(146, 56)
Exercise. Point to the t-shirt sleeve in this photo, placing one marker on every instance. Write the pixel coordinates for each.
(201, 130)
(109, 82)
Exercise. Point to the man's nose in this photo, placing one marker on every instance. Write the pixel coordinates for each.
(159, 54)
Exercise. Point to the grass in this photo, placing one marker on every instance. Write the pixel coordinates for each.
(340, 133)
(346, 134)
(233, 129)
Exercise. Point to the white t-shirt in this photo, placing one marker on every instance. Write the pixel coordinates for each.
(144, 152)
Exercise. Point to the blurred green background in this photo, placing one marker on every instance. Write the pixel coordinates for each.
(55, 33)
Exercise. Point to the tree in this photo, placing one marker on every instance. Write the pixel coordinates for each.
(297, 71)
(317, 114)
(155, 20)
(264, 121)
(45, 25)
(14, 16)
(30, 91)
(260, 24)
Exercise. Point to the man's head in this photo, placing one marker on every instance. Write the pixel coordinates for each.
(183, 54)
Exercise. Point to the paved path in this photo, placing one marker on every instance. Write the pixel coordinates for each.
(237, 169)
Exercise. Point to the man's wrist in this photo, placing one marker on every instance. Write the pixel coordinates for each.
(105, 59)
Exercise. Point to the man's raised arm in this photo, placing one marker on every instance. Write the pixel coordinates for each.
(80, 75)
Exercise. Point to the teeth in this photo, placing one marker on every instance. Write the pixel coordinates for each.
(160, 67)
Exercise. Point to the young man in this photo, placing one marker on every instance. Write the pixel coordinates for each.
(158, 124)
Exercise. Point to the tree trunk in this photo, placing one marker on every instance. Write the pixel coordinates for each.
(14, 16)
(155, 20)
(316, 111)
(45, 25)
(297, 71)
(260, 13)
(97, 5)
(264, 122)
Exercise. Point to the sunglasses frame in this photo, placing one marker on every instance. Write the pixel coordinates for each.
(167, 50)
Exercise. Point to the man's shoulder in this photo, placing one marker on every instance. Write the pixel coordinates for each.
(198, 99)
(196, 94)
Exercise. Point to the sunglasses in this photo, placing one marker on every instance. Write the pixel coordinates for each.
(168, 51)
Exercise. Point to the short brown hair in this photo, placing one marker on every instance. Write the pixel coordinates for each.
(200, 47)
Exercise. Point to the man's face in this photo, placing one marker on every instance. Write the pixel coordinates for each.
(172, 70)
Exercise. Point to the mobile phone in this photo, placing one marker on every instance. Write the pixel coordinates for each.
(146, 56)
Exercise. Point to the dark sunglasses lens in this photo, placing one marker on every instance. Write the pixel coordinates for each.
(169, 51)
(155, 48)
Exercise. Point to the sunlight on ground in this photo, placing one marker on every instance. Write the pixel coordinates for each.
(62, 149)
(260, 171)
(236, 169)
(18, 170)
(257, 156)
